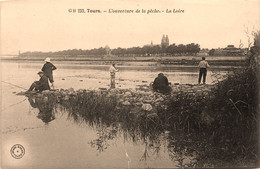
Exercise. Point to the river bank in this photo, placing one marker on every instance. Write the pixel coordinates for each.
(140, 98)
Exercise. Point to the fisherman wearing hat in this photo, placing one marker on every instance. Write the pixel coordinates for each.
(47, 68)
(40, 85)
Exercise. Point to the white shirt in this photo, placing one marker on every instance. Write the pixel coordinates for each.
(112, 69)
(203, 64)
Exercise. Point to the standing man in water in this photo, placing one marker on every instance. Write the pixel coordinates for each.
(203, 65)
(47, 68)
(113, 71)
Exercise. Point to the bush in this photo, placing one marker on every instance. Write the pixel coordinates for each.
(228, 116)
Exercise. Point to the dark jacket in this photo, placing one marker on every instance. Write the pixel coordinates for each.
(43, 83)
(160, 82)
(47, 68)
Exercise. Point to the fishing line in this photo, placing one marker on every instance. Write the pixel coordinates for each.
(211, 76)
(14, 85)
(14, 104)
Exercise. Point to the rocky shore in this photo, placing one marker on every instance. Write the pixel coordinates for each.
(139, 99)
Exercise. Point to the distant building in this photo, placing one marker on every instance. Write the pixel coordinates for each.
(108, 50)
(150, 45)
(231, 50)
(165, 41)
(203, 52)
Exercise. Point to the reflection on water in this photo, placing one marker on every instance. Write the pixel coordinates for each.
(112, 122)
(45, 106)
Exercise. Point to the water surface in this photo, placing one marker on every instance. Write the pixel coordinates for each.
(53, 138)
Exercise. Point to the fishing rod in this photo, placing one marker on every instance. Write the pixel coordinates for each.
(14, 85)
(215, 74)
(14, 104)
(211, 76)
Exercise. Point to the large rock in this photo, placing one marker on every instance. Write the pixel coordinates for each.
(148, 101)
(70, 90)
(147, 107)
(128, 94)
(159, 99)
(45, 99)
(138, 104)
(126, 103)
(66, 98)
(47, 92)
(152, 115)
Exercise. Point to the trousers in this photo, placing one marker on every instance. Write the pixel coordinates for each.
(34, 86)
(112, 80)
(203, 73)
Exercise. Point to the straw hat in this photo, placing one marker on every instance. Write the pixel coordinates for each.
(47, 60)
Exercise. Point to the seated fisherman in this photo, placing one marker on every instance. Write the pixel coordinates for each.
(40, 85)
(161, 84)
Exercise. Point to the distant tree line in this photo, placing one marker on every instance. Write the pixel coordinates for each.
(70, 52)
(190, 49)
(173, 49)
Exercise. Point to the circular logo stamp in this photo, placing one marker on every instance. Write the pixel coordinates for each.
(17, 151)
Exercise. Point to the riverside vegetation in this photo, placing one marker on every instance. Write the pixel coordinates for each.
(217, 125)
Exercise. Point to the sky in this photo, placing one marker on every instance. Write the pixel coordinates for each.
(47, 25)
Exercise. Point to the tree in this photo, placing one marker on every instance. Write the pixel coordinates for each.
(172, 49)
(211, 52)
(181, 49)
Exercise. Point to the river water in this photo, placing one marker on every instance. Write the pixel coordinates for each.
(65, 143)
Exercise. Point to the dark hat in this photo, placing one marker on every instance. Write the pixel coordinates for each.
(40, 72)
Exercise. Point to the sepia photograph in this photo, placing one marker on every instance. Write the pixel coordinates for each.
(121, 84)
